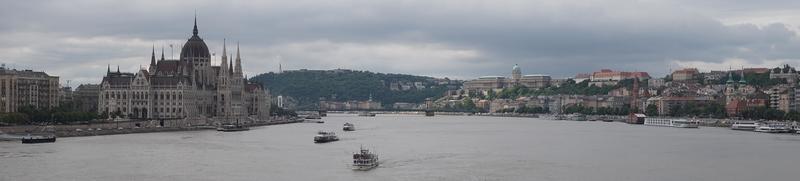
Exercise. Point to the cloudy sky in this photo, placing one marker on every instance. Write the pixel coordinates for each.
(463, 39)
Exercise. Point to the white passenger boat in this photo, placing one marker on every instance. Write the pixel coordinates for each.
(670, 122)
(324, 137)
(772, 128)
(682, 123)
(744, 125)
(577, 117)
(364, 160)
(366, 114)
(349, 127)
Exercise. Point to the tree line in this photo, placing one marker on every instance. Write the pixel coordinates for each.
(308, 86)
(66, 113)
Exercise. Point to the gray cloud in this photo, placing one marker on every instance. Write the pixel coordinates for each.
(462, 39)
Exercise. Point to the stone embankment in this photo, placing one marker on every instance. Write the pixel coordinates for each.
(126, 127)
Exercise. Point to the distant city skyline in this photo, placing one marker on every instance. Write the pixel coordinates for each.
(76, 40)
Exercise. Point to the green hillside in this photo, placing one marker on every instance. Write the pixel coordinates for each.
(308, 86)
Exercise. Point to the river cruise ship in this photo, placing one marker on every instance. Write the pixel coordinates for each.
(233, 127)
(773, 128)
(29, 139)
(671, 122)
(744, 125)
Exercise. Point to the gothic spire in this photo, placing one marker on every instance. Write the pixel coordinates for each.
(194, 32)
(153, 56)
(230, 68)
(224, 50)
(162, 53)
(118, 69)
(238, 68)
(109, 68)
(224, 61)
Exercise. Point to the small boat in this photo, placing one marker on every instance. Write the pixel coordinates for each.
(349, 127)
(364, 160)
(313, 116)
(744, 125)
(320, 121)
(578, 117)
(232, 128)
(429, 113)
(324, 137)
(38, 139)
(366, 114)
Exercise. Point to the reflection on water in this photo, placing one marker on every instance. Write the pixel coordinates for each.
(415, 148)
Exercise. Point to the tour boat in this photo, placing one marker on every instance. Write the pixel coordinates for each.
(744, 125)
(364, 160)
(349, 127)
(38, 139)
(682, 123)
(324, 137)
(772, 128)
(578, 117)
(668, 122)
(313, 116)
(366, 114)
(232, 128)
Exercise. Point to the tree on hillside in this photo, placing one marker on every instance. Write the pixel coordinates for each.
(307, 86)
(651, 110)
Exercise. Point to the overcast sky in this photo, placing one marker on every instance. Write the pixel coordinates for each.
(462, 39)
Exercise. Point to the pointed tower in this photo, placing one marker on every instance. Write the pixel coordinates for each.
(238, 67)
(152, 67)
(162, 53)
(109, 69)
(730, 77)
(224, 64)
(194, 31)
(230, 67)
(153, 57)
(741, 78)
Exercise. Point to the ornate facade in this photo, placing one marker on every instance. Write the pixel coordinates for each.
(486, 83)
(188, 87)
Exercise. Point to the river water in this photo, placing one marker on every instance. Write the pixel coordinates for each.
(417, 148)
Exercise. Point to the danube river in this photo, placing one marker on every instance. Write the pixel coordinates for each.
(417, 148)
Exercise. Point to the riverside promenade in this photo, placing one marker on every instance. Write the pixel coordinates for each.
(127, 127)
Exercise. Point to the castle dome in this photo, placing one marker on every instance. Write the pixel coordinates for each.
(195, 46)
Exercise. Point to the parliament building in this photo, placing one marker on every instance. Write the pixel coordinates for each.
(190, 87)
